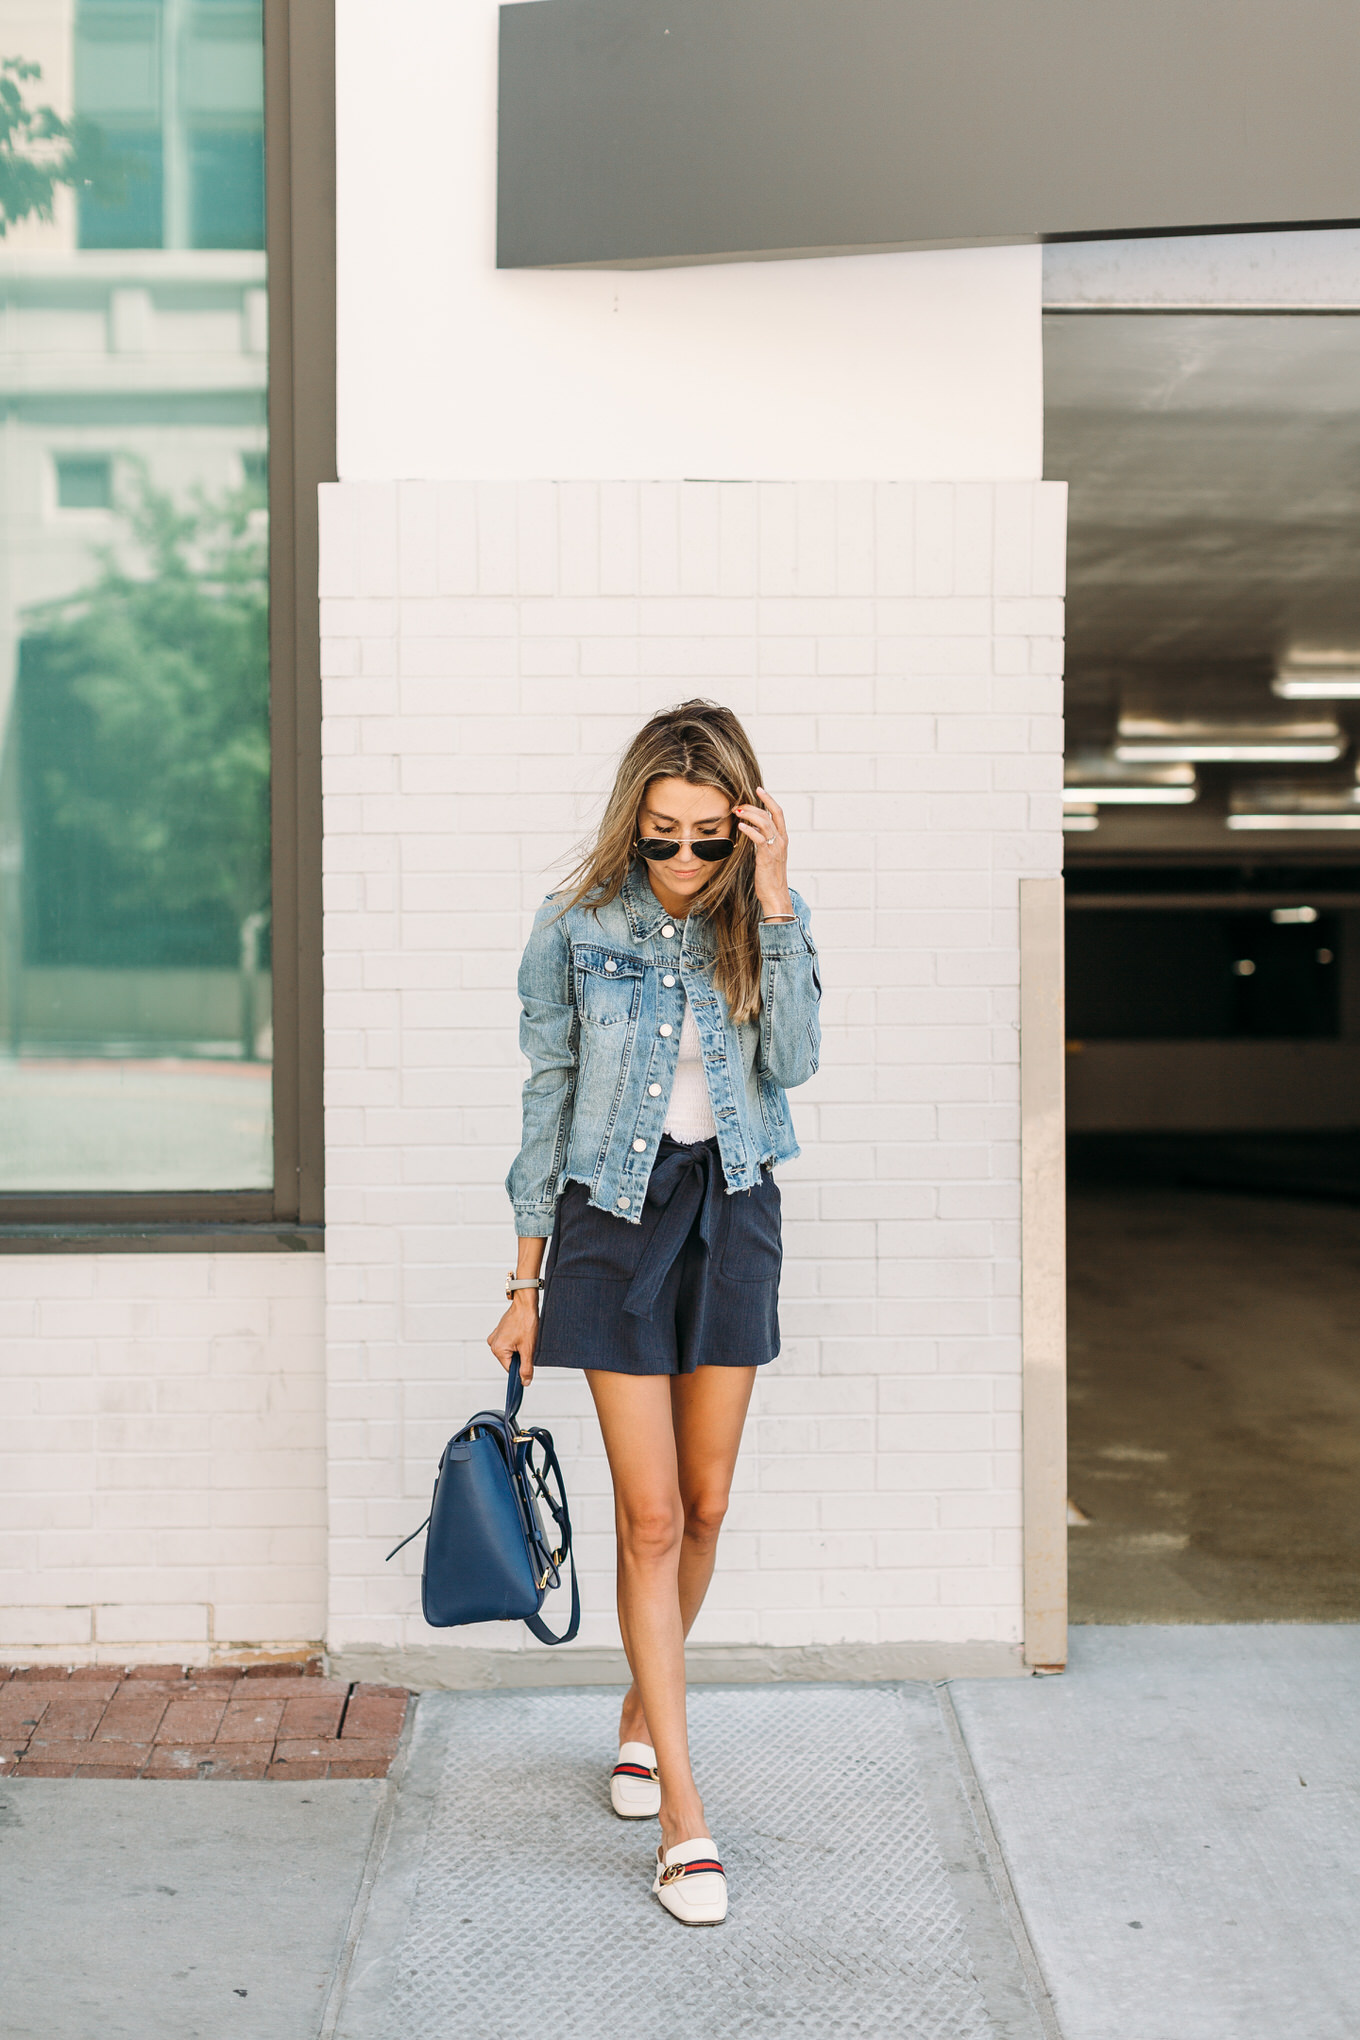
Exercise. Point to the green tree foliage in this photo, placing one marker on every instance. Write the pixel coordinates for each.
(39, 150)
(165, 664)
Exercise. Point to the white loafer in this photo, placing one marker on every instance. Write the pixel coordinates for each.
(690, 1883)
(634, 1788)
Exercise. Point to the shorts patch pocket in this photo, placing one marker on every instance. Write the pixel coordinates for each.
(754, 1248)
(590, 1245)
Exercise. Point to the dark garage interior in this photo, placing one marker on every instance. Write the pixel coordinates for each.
(1213, 943)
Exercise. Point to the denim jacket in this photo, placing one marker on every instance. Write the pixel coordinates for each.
(603, 991)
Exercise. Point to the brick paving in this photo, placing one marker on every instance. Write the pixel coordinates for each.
(213, 1721)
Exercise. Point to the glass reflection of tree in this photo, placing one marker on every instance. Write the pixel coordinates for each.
(154, 691)
(39, 151)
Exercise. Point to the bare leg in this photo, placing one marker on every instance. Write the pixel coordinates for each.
(706, 1412)
(639, 1437)
(709, 1408)
(709, 1411)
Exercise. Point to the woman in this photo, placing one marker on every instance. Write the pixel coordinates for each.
(669, 1001)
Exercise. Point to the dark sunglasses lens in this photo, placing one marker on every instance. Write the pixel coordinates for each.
(656, 849)
(713, 852)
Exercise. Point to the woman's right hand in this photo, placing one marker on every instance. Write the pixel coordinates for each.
(517, 1332)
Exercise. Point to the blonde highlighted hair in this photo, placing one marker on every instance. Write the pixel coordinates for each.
(702, 743)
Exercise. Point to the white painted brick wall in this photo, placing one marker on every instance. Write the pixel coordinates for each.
(162, 1455)
(896, 652)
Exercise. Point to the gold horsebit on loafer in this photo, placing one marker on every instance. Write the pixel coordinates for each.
(677, 1870)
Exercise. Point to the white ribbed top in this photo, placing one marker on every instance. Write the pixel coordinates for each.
(689, 1117)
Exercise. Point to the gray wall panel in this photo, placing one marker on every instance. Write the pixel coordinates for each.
(683, 130)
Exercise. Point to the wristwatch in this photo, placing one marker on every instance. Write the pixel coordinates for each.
(514, 1282)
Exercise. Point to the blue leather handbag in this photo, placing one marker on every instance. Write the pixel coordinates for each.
(488, 1556)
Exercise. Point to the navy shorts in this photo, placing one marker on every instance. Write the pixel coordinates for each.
(694, 1284)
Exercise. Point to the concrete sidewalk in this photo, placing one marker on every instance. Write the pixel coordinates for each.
(1173, 1829)
(1180, 1815)
(143, 1909)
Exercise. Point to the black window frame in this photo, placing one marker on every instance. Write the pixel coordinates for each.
(299, 128)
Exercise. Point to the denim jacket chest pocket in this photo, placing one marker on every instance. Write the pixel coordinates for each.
(608, 985)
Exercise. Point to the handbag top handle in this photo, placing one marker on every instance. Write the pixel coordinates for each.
(514, 1390)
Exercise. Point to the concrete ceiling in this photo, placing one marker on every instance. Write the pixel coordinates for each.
(1213, 459)
(1214, 468)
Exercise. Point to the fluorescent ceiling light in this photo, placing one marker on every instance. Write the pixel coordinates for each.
(1303, 686)
(1145, 739)
(1103, 766)
(1078, 824)
(1294, 804)
(1098, 776)
(1305, 675)
(1134, 796)
(1283, 916)
(1323, 821)
(1232, 751)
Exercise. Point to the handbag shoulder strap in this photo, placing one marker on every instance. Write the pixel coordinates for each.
(539, 1628)
(561, 1516)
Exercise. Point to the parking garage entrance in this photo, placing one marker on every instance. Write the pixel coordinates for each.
(1203, 402)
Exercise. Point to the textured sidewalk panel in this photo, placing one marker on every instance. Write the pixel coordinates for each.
(517, 1903)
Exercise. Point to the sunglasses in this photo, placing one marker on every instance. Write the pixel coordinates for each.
(712, 850)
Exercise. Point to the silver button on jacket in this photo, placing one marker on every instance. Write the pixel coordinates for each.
(600, 1026)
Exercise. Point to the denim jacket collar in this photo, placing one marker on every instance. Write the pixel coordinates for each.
(645, 911)
(646, 915)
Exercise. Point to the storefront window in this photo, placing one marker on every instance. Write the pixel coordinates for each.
(135, 983)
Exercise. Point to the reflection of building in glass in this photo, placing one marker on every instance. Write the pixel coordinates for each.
(175, 86)
(132, 357)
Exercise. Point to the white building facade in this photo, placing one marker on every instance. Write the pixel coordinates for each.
(810, 489)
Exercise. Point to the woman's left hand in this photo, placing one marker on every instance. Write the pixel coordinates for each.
(768, 830)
